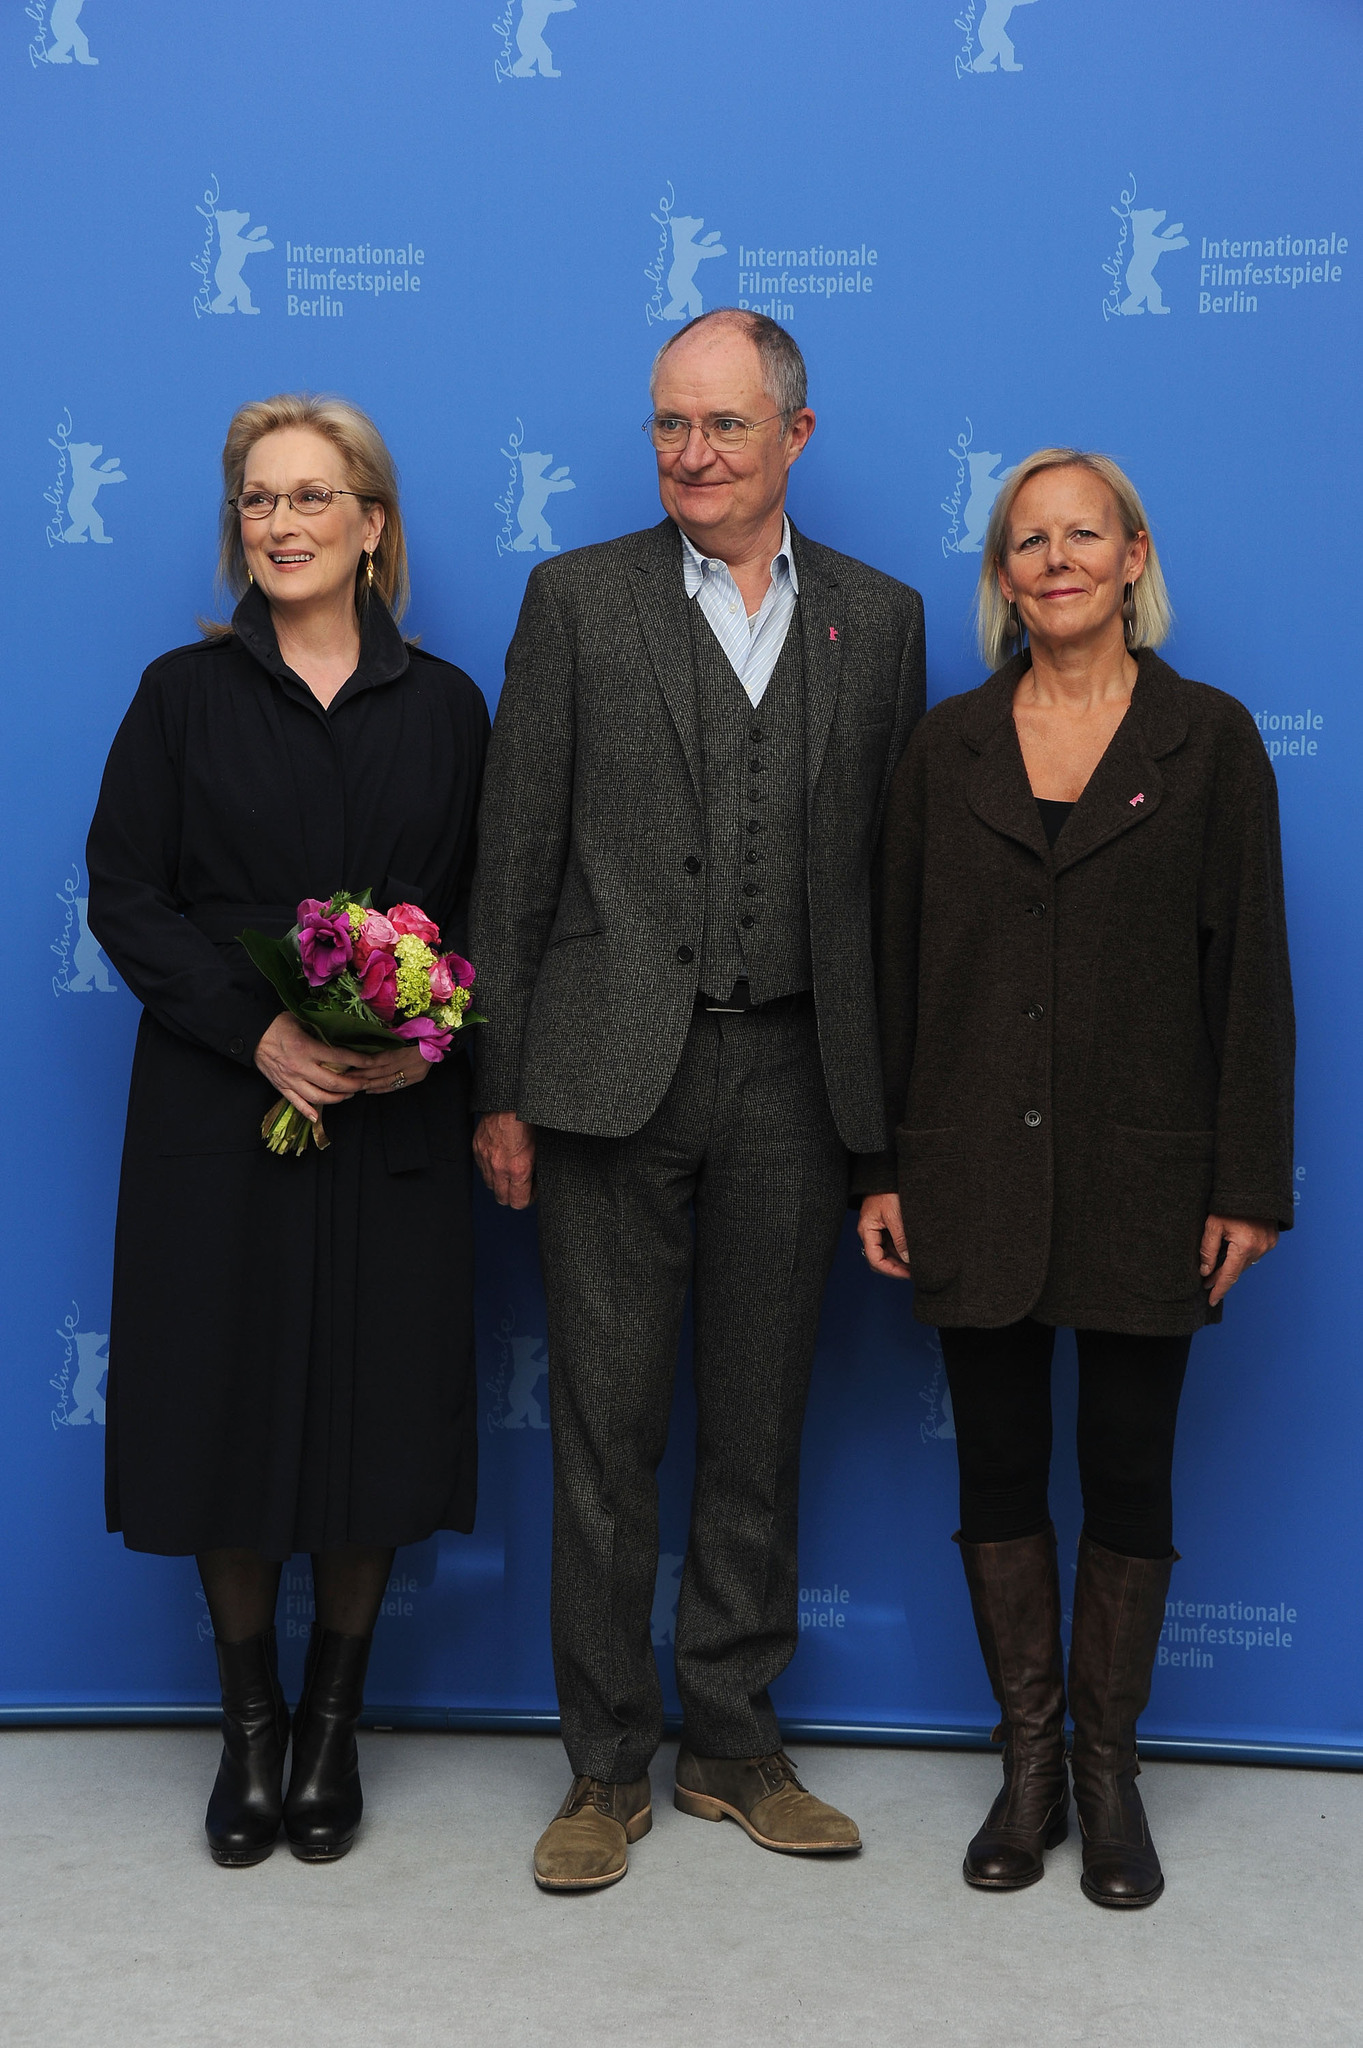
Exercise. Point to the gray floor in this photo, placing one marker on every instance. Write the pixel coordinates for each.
(119, 1932)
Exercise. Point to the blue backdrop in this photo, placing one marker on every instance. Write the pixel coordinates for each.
(991, 226)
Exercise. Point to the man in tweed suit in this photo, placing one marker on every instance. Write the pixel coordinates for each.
(671, 924)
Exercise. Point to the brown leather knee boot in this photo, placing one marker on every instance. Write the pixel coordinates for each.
(1015, 1592)
(1118, 1615)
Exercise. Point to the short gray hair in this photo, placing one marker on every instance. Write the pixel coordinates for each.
(1154, 614)
(783, 367)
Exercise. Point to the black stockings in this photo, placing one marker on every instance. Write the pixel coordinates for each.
(1128, 1405)
(242, 1588)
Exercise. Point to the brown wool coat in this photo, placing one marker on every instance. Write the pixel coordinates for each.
(1085, 1051)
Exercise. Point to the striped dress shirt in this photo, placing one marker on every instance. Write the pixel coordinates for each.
(752, 645)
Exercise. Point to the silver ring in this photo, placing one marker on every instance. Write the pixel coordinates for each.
(399, 1080)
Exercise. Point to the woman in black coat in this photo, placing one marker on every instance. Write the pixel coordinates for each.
(291, 1353)
(1087, 1032)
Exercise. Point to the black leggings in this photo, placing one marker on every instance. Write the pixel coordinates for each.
(1128, 1405)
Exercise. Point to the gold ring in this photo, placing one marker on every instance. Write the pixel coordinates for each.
(399, 1080)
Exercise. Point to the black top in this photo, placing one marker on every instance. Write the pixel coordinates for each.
(292, 1338)
(1053, 816)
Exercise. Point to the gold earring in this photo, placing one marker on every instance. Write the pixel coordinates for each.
(249, 578)
(369, 573)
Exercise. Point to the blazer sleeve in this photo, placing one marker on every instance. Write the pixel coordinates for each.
(1247, 985)
(896, 911)
(195, 988)
(523, 833)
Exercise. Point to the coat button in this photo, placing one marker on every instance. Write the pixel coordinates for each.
(747, 922)
(691, 864)
(1035, 1010)
(1032, 1118)
(237, 1047)
(685, 955)
(1036, 910)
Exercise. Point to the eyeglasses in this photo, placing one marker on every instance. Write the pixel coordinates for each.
(311, 500)
(723, 431)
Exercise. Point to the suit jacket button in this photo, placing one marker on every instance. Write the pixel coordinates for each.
(1036, 910)
(237, 1047)
(691, 864)
(1032, 1119)
(1034, 1010)
(685, 955)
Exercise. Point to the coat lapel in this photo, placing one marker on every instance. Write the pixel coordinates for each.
(1127, 786)
(821, 624)
(1124, 789)
(997, 788)
(660, 600)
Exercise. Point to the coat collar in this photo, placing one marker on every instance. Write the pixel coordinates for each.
(1124, 789)
(383, 651)
(660, 599)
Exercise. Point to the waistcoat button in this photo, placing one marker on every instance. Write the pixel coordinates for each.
(1035, 1010)
(691, 864)
(747, 922)
(1032, 1119)
(685, 955)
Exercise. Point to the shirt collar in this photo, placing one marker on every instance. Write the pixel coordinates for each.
(695, 565)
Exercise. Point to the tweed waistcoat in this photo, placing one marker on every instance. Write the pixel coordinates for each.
(756, 894)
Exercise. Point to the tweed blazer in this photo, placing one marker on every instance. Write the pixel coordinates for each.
(1086, 1050)
(589, 899)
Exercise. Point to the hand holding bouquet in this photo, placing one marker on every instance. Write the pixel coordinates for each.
(362, 982)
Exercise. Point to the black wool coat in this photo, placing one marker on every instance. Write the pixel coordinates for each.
(1089, 1050)
(291, 1350)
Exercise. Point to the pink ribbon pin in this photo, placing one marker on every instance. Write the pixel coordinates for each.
(1138, 798)
(832, 632)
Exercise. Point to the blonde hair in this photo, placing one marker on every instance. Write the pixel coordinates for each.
(368, 470)
(1154, 615)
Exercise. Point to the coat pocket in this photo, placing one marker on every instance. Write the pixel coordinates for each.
(1160, 1187)
(931, 1191)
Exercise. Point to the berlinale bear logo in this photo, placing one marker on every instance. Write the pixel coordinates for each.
(79, 1380)
(234, 295)
(69, 44)
(88, 478)
(1147, 246)
(688, 254)
(534, 58)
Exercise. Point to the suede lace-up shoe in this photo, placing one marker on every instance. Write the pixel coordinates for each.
(586, 1844)
(767, 1800)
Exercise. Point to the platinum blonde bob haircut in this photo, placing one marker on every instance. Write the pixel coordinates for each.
(367, 468)
(1154, 615)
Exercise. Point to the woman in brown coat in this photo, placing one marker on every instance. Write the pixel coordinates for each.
(1087, 1032)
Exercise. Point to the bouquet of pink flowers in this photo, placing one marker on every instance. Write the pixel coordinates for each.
(361, 981)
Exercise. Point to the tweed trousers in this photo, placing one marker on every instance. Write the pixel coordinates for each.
(736, 1186)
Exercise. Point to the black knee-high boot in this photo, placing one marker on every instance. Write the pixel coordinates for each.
(246, 1805)
(1015, 1592)
(1118, 1615)
(324, 1803)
